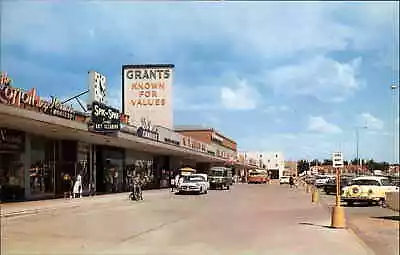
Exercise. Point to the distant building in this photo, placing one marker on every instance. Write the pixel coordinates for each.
(274, 162)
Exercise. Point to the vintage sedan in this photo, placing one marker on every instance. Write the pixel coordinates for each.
(193, 184)
(369, 189)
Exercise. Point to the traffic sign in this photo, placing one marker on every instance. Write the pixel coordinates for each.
(337, 159)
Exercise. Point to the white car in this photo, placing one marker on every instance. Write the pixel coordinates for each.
(194, 184)
(370, 189)
(321, 181)
(205, 176)
(284, 180)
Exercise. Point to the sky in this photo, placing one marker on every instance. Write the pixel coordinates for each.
(298, 77)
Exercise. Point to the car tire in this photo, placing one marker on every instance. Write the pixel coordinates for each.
(350, 203)
(206, 191)
(228, 188)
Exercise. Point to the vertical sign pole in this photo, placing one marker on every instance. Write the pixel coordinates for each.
(338, 215)
(338, 187)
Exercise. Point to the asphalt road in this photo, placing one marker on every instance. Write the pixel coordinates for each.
(378, 227)
(248, 219)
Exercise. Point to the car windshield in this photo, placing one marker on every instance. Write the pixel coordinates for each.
(386, 182)
(365, 182)
(193, 179)
(216, 173)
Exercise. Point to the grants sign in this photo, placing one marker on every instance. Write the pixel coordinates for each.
(146, 130)
(105, 118)
(147, 92)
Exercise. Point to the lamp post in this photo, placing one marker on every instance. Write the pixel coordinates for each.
(394, 88)
(357, 146)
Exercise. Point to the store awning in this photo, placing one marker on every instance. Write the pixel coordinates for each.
(59, 128)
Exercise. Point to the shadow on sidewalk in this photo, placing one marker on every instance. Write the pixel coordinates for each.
(316, 225)
(393, 217)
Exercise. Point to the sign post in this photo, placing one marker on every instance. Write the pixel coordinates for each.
(338, 218)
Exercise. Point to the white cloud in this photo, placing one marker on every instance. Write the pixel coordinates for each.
(240, 97)
(320, 125)
(371, 121)
(324, 78)
(277, 109)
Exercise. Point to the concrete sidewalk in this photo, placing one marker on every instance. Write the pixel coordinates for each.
(34, 207)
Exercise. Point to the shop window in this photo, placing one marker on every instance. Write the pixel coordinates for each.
(11, 177)
(43, 155)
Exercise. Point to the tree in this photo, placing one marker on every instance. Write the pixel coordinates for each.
(327, 162)
(315, 162)
(302, 165)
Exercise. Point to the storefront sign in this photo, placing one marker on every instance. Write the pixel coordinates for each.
(216, 138)
(4, 79)
(105, 118)
(169, 136)
(97, 87)
(146, 130)
(11, 140)
(147, 88)
(29, 99)
(194, 144)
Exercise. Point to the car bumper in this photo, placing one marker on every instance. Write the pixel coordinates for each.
(189, 189)
(361, 199)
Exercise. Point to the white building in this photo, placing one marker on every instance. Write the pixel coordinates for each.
(274, 162)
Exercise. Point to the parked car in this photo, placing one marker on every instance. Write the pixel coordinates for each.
(284, 180)
(320, 181)
(330, 186)
(205, 176)
(220, 177)
(193, 184)
(369, 189)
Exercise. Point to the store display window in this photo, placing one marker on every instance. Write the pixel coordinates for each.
(43, 162)
(11, 177)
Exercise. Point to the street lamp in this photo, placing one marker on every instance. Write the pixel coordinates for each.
(357, 146)
(394, 87)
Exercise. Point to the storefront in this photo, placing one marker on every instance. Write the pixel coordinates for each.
(12, 152)
(109, 169)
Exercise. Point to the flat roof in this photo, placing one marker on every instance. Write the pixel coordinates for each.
(195, 128)
(149, 66)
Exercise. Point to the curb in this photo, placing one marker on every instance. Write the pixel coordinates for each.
(351, 228)
(100, 199)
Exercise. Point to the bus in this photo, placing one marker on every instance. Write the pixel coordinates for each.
(257, 176)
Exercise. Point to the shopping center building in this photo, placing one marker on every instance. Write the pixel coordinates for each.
(42, 140)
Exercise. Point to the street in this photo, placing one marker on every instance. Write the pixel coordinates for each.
(377, 227)
(248, 219)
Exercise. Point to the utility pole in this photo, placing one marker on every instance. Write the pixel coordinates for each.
(394, 88)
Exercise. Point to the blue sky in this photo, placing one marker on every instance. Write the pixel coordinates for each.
(292, 77)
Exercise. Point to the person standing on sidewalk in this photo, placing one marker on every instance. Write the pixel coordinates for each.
(172, 184)
(291, 181)
(78, 187)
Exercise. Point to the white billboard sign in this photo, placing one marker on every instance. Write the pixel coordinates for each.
(337, 159)
(147, 93)
(97, 87)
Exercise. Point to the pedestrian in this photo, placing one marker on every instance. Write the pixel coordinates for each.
(180, 181)
(291, 181)
(67, 186)
(78, 187)
(177, 177)
(172, 184)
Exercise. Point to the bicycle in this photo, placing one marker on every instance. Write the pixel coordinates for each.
(136, 193)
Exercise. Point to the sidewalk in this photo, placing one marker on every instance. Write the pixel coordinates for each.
(34, 207)
(377, 227)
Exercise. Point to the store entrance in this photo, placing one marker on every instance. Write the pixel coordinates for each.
(11, 177)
